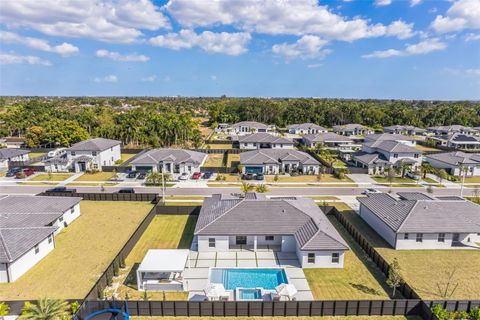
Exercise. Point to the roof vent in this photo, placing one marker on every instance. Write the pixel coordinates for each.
(283, 210)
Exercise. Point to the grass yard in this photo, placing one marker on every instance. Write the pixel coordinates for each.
(82, 252)
(231, 177)
(472, 179)
(127, 156)
(164, 232)
(214, 160)
(218, 146)
(233, 159)
(322, 198)
(425, 270)
(307, 178)
(397, 182)
(425, 148)
(92, 184)
(98, 176)
(51, 177)
(32, 155)
(284, 318)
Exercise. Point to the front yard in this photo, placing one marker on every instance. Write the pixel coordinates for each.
(307, 178)
(51, 177)
(164, 232)
(82, 252)
(397, 181)
(98, 176)
(427, 270)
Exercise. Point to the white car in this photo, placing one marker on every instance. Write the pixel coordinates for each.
(183, 176)
(371, 191)
(56, 152)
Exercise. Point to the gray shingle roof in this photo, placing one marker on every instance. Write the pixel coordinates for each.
(95, 144)
(251, 124)
(15, 242)
(392, 146)
(349, 127)
(276, 156)
(452, 128)
(403, 128)
(170, 155)
(326, 137)
(306, 126)
(413, 196)
(7, 153)
(370, 158)
(424, 216)
(458, 137)
(301, 218)
(456, 158)
(24, 204)
(387, 136)
(263, 137)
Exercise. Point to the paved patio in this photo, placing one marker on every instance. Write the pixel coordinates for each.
(196, 277)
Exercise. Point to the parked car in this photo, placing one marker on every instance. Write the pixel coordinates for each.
(56, 152)
(62, 189)
(183, 176)
(126, 190)
(259, 176)
(247, 176)
(371, 191)
(196, 175)
(207, 175)
(12, 172)
(24, 173)
(132, 174)
(412, 175)
(142, 175)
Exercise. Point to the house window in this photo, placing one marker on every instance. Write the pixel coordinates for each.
(419, 237)
(245, 144)
(311, 258)
(269, 238)
(73, 153)
(254, 144)
(416, 155)
(72, 210)
(37, 249)
(335, 257)
(441, 237)
(405, 236)
(211, 242)
(94, 153)
(189, 168)
(281, 145)
(50, 239)
(395, 155)
(60, 219)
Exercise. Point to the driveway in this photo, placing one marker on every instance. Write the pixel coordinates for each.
(361, 179)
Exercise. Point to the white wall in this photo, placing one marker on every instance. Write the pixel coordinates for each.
(256, 145)
(430, 241)
(323, 259)
(378, 225)
(102, 158)
(454, 170)
(3, 273)
(67, 217)
(221, 243)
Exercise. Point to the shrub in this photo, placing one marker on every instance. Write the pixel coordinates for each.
(275, 178)
(100, 292)
(4, 309)
(74, 306)
(443, 314)
(122, 262)
(116, 268)
(109, 277)
(220, 177)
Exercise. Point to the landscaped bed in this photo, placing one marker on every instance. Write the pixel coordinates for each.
(164, 232)
(82, 252)
(425, 270)
(51, 177)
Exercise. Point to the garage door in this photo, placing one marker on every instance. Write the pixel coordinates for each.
(253, 169)
(143, 168)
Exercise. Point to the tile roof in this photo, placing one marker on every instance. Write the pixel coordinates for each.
(170, 155)
(306, 126)
(391, 146)
(370, 158)
(276, 156)
(300, 217)
(387, 136)
(95, 144)
(348, 127)
(263, 137)
(413, 196)
(15, 242)
(456, 158)
(252, 124)
(403, 128)
(24, 204)
(326, 137)
(6, 153)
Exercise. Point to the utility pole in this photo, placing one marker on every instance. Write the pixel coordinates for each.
(463, 171)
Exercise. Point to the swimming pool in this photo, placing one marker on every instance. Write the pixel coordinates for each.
(233, 278)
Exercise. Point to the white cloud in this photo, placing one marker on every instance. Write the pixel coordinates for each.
(295, 17)
(64, 49)
(109, 78)
(314, 65)
(472, 37)
(10, 58)
(116, 56)
(463, 72)
(473, 72)
(414, 3)
(422, 47)
(306, 47)
(151, 78)
(213, 77)
(463, 14)
(105, 20)
(400, 29)
(382, 3)
(214, 42)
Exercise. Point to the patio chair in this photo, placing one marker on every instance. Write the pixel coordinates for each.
(224, 297)
(275, 297)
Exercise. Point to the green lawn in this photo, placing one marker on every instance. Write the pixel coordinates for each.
(82, 252)
(397, 182)
(307, 178)
(218, 146)
(127, 156)
(425, 270)
(51, 177)
(472, 179)
(32, 155)
(233, 159)
(214, 160)
(164, 232)
(98, 176)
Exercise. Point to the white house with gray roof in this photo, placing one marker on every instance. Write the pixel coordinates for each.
(329, 140)
(173, 161)
(352, 129)
(12, 154)
(275, 161)
(422, 222)
(247, 127)
(405, 130)
(457, 140)
(263, 141)
(445, 130)
(306, 128)
(28, 225)
(230, 223)
(453, 161)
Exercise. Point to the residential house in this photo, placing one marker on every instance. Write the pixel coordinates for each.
(173, 161)
(407, 140)
(405, 130)
(12, 154)
(352, 129)
(329, 140)
(12, 142)
(248, 127)
(263, 141)
(275, 161)
(459, 141)
(422, 222)
(28, 225)
(446, 130)
(305, 128)
(453, 161)
(229, 223)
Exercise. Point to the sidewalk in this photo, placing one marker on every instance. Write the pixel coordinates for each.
(446, 183)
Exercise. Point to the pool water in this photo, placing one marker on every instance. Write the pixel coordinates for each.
(250, 294)
(248, 278)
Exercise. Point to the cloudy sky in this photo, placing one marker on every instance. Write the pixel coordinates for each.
(410, 49)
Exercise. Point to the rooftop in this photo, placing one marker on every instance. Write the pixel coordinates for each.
(327, 137)
(95, 144)
(263, 137)
(269, 156)
(170, 155)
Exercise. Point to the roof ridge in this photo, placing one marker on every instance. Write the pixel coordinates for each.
(408, 213)
(2, 242)
(223, 214)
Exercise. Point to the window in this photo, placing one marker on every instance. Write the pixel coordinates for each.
(416, 155)
(311, 258)
(269, 238)
(211, 242)
(441, 237)
(94, 153)
(60, 219)
(245, 144)
(72, 210)
(254, 144)
(335, 257)
(73, 153)
(50, 239)
(395, 155)
(405, 236)
(37, 249)
(419, 237)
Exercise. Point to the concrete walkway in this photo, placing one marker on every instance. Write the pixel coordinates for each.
(361, 179)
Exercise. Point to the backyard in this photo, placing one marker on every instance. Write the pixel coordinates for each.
(164, 232)
(127, 156)
(214, 160)
(427, 270)
(82, 252)
(218, 146)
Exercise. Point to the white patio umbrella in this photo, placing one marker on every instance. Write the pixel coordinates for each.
(286, 290)
(214, 290)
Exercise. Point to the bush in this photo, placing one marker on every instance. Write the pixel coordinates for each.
(220, 177)
(443, 314)
(109, 277)
(118, 162)
(74, 306)
(4, 309)
(100, 292)
(116, 268)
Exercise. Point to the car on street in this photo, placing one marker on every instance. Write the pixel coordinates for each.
(207, 175)
(24, 173)
(12, 172)
(183, 176)
(132, 174)
(126, 190)
(259, 176)
(371, 191)
(61, 189)
(142, 175)
(196, 175)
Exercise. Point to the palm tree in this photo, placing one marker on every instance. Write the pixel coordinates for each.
(247, 187)
(404, 166)
(45, 309)
(426, 168)
(261, 188)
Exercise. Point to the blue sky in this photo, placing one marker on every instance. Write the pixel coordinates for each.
(407, 49)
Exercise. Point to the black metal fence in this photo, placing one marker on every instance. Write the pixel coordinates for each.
(226, 170)
(150, 197)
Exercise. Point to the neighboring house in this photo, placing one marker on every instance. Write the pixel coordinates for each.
(12, 142)
(174, 161)
(457, 140)
(329, 140)
(452, 161)
(228, 223)
(409, 141)
(275, 161)
(374, 162)
(422, 222)
(445, 130)
(305, 128)
(12, 154)
(91, 154)
(263, 141)
(352, 129)
(247, 127)
(28, 225)
(405, 130)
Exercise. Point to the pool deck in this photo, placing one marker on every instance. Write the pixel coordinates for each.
(196, 277)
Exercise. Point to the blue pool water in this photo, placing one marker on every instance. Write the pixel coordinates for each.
(250, 294)
(248, 278)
